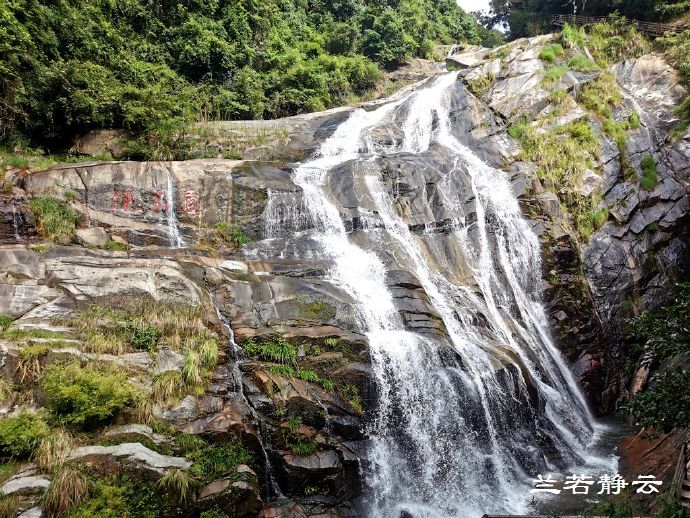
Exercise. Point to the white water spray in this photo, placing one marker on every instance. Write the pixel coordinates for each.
(459, 429)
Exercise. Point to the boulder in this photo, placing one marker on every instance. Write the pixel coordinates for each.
(101, 143)
(134, 457)
(322, 469)
(134, 432)
(94, 236)
(25, 485)
(234, 497)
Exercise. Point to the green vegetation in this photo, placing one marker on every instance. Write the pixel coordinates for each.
(582, 63)
(67, 67)
(664, 335)
(20, 434)
(562, 155)
(116, 246)
(215, 461)
(625, 507)
(124, 497)
(55, 220)
(178, 484)
(277, 350)
(229, 235)
(67, 489)
(125, 326)
(213, 513)
(677, 51)
(303, 449)
(85, 396)
(550, 53)
(553, 74)
(5, 321)
(480, 85)
(649, 173)
(634, 120)
(665, 404)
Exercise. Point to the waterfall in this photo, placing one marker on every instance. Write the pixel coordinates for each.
(460, 429)
(175, 237)
(16, 218)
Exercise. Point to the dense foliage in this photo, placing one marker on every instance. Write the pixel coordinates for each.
(150, 65)
(663, 337)
(530, 17)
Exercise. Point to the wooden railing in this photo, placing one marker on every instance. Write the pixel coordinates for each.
(653, 28)
(679, 474)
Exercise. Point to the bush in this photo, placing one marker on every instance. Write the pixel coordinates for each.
(214, 461)
(21, 434)
(55, 220)
(572, 37)
(665, 404)
(86, 396)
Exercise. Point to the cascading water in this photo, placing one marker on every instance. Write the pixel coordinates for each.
(282, 214)
(175, 237)
(460, 428)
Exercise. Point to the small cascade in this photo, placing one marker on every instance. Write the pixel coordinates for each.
(285, 212)
(176, 240)
(273, 489)
(16, 222)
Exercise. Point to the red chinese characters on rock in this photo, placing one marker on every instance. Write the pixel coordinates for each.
(122, 200)
(191, 202)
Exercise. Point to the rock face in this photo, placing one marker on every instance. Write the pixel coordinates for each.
(310, 435)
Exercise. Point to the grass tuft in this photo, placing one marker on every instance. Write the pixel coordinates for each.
(66, 491)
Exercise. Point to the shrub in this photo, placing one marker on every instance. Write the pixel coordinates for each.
(480, 85)
(55, 220)
(66, 491)
(231, 234)
(85, 396)
(600, 95)
(649, 173)
(572, 36)
(214, 461)
(21, 434)
(665, 403)
(282, 370)
(616, 40)
(145, 338)
(550, 53)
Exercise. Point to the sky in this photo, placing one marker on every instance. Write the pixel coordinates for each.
(474, 5)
